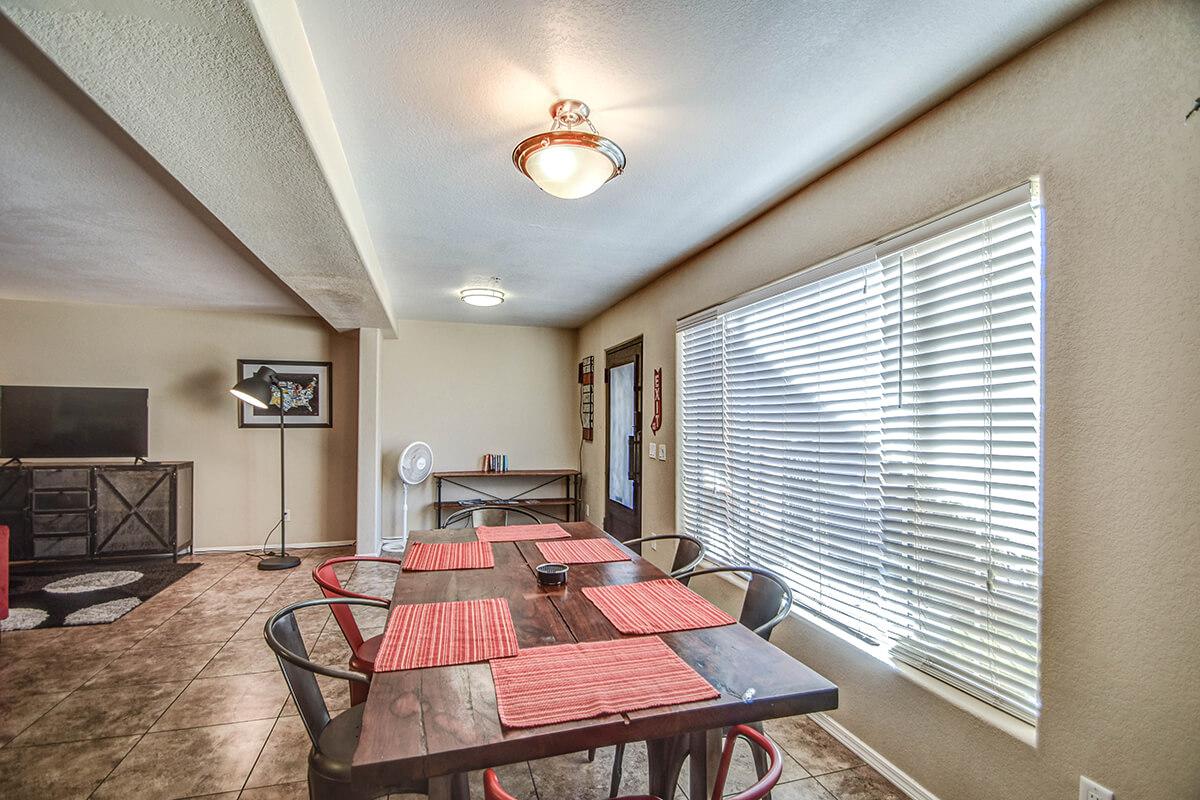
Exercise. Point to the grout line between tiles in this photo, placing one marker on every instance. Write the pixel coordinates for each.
(168, 707)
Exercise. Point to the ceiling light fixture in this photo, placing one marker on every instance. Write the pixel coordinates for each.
(565, 162)
(482, 297)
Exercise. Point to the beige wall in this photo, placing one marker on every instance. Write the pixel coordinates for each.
(188, 361)
(474, 389)
(1096, 110)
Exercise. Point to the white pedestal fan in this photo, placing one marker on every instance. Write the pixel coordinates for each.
(416, 462)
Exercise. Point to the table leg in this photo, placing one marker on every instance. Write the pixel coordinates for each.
(664, 757)
(704, 749)
(450, 787)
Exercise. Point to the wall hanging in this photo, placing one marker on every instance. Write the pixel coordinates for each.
(304, 387)
(587, 373)
(656, 421)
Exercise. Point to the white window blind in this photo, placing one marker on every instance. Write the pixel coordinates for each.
(961, 436)
(873, 435)
(802, 395)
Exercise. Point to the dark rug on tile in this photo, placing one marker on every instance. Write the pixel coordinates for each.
(56, 596)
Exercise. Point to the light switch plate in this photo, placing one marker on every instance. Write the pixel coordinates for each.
(1090, 790)
(653, 450)
(662, 452)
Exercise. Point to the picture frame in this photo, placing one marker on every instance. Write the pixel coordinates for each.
(309, 399)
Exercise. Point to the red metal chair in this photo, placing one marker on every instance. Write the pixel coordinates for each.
(363, 650)
(761, 788)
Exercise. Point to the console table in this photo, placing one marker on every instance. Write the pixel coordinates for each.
(564, 507)
(97, 510)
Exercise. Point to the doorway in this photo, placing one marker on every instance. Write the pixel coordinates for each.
(623, 449)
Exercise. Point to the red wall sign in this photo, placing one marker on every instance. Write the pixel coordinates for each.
(656, 422)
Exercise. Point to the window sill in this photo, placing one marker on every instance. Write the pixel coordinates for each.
(1018, 729)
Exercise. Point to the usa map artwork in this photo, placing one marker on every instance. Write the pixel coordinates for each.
(305, 389)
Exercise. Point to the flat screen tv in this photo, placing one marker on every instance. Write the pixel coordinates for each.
(73, 422)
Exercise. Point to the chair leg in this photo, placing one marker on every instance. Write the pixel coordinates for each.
(358, 692)
(591, 754)
(760, 759)
(614, 787)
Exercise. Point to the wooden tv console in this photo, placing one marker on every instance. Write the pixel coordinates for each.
(89, 510)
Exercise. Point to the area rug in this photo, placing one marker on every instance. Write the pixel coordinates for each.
(56, 596)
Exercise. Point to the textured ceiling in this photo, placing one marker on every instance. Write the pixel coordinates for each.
(722, 109)
(81, 220)
(191, 81)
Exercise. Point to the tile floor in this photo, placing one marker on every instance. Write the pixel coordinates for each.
(181, 698)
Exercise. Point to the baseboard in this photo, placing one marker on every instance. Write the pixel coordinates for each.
(902, 780)
(241, 548)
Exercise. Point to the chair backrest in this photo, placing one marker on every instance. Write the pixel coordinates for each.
(763, 785)
(768, 598)
(492, 790)
(469, 515)
(689, 552)
(331, 586)
(299, 671)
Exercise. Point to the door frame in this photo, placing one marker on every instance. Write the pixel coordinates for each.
(639, 357)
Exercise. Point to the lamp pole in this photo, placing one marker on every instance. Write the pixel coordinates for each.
(259, 390)
(283, 560)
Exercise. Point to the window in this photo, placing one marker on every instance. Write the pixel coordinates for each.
(870, 429)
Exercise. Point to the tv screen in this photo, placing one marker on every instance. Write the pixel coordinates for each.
(73, 422)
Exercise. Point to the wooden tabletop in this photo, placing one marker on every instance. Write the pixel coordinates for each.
(443, 720)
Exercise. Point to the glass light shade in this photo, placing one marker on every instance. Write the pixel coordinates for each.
(569, 164)
(482, 297)
(569, 171)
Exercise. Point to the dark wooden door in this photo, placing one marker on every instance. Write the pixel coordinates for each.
(623, 449)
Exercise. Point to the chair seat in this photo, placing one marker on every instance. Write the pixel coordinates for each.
(363, 659)
(336, 754)
(338, 741)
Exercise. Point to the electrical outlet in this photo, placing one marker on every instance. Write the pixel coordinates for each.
(1090, 790)
(287, 515)
(587, 511)
(662, 452)
(654, 545)
(653, 450)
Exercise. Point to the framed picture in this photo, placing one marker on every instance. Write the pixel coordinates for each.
(307, 394)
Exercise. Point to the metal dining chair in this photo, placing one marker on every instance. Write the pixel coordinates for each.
(771, 755)
(689, 552)
(363, 651)
(767, 603)
(469, 514)
(768, 598)
(334, 739)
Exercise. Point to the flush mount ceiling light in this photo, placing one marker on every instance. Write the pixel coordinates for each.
(565, 162)
(482, 297)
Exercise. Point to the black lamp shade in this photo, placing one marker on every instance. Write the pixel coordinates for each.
(257, 389)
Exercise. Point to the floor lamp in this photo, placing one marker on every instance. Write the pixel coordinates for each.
(257, 390)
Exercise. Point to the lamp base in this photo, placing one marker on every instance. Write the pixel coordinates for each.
(279, 562)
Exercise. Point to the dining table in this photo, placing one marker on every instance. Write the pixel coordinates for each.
(440, 723)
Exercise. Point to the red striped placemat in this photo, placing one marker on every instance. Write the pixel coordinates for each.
(565, 682)
(582, 551)
(519, 533)
(438, 634)
(657, 606)
(422, 556)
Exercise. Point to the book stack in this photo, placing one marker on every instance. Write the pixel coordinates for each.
(495, 462)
